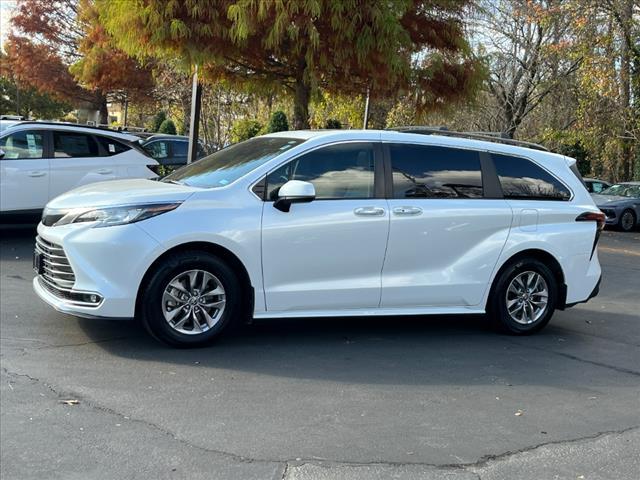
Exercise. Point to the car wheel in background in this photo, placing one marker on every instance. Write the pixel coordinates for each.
(190, 299)
(523, 297)
(627, 221)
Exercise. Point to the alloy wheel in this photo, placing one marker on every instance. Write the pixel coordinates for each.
(627, 221)
(527, 297)
(193, 302)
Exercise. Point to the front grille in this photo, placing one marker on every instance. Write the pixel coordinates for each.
(56, 270)
(57, 277)
(608, 212)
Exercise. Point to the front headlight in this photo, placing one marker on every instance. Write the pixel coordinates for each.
(110, 216)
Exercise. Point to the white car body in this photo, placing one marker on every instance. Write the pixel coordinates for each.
(346, 257)
(44, 172)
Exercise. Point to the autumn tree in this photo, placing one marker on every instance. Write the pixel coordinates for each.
(298, 46)
(17, 99)
(52, 37)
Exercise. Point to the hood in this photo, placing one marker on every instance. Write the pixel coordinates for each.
(602, 200)
(121, 192)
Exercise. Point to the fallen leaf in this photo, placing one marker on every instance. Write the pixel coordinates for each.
(70, 402)
(519, 413)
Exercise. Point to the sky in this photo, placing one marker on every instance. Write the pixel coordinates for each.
(6, 7)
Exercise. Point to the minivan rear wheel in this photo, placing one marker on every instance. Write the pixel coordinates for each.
(190, 299)
(524, 297)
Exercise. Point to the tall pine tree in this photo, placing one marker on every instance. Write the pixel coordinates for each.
(346, 46)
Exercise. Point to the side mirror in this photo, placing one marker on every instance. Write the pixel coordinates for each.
(294, 191)
(1, 153)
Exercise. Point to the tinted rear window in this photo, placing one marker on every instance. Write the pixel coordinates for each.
(111, 147)
(523, 179)
(180, 149)
(426, 171)
(74, 145)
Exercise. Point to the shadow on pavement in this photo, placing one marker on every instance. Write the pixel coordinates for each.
(385, 350)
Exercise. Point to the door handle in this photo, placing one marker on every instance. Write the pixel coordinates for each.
(369, 211)
(37, 173)
(407, 211)
(105, 171)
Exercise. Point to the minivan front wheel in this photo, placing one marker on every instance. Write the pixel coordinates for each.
(190, 299)
(524, 297)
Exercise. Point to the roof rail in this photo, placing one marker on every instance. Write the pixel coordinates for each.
(67, 124)
(485, 136)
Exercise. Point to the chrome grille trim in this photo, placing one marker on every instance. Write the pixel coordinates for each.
(58, 277)
(57, 270)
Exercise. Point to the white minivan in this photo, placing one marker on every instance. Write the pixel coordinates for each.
(327, 223)
(40, 160)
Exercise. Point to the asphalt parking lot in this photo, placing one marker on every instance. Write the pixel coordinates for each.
(323, 399)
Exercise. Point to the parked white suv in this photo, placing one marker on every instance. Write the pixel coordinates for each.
(327, 223)
(40, 160)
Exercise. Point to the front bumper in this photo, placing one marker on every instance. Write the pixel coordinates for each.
(110, 262)
(64, 306)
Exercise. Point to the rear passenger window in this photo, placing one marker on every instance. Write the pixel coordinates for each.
(426, 171)
(111, 147)
(74, 145)
(180, 149)
(522, 179)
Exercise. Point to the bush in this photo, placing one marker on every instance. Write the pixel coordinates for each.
(244, 130)
(333, 124)
(158, 120)
(277, 122)
(167, 127)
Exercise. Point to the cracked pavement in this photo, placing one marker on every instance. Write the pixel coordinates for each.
(407, 398)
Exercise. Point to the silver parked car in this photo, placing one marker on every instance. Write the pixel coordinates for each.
(621, 204)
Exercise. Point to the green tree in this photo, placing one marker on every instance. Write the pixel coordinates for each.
(168, 127)
(158, 119)
(300, 45)
(278, 122)
(244, 130)
(28, 102)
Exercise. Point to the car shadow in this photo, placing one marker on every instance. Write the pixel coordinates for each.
(373, 350)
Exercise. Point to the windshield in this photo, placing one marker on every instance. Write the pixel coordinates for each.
(229, 164)
(622, 190)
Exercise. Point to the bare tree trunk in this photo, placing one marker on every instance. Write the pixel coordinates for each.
(301, 99)
(102, 109)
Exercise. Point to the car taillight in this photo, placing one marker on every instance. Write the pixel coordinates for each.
(598, 217)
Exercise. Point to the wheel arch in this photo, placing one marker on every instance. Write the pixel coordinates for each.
(215, 249)
(543, 256)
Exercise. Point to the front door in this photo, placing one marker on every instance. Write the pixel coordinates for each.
(446, 235)
(24, 172)
(327, 254)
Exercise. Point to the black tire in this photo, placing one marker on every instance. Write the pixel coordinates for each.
(151, 306)
(497, 303)
(627, 225)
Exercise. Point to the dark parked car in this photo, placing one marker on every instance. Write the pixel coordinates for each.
(595, 185)
(621, 204)
(170, 150)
